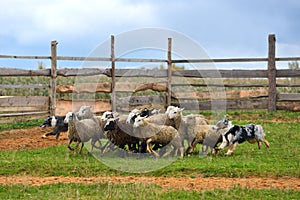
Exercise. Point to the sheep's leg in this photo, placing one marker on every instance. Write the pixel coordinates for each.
(93, 144)
(108, 146)
(192, 146)
(204, 148)
(69, 144)
(181, 149)
(156, 154)
(231, 149)
(100, 144)
(76, 147)
(168, 153)
(148, 149)
(82, 144)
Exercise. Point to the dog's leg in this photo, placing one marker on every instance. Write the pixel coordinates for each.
(266, 142)
(258, 143)
(231, 149)
(223, 144)
(47, 134)
(57, 135)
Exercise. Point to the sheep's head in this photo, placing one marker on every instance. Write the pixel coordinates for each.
(149, 112)
(85, 112)
(108, 115)
(132, 115)
(68, 117)
(173, 112)
(111, 124)
(139, 121)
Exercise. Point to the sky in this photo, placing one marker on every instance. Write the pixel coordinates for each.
(223, 28)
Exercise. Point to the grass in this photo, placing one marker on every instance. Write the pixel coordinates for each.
(20, 125)
(282, 159)
(134, 191)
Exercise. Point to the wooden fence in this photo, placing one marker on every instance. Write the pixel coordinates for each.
(13, 106)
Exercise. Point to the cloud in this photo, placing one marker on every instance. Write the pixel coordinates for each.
(33, 21)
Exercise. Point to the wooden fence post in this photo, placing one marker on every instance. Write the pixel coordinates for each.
(272, 74)
(53, 75)
(169, 81)
(113, 81)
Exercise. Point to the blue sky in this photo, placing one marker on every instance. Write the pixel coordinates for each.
(224, 28)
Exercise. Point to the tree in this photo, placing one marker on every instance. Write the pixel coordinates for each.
(41, 65)
(174, 67)
(293, 65)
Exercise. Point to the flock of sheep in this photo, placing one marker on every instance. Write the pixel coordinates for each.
(160, 134)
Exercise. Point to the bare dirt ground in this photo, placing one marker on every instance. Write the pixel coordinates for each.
(32, 139)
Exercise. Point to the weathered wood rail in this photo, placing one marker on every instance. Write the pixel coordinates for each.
(268, 99)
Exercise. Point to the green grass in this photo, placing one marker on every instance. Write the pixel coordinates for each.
(135, 191)
(21, 125)
(281, 159)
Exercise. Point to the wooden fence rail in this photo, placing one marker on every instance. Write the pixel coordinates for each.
(265, 100)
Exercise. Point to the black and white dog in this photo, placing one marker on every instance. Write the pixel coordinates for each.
(250, 132)
(239, 134)
(57, 123)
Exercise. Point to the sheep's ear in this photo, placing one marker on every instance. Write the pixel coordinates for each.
(168, 109)
(181, 109)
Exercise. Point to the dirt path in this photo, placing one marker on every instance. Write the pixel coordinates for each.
(182, 183)
(32, 139)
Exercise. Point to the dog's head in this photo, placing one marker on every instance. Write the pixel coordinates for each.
(224, 123)
(46, 123)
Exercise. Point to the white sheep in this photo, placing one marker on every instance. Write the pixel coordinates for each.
(157, 134)
(208, 136)
(186, 125)
(85, 112)
(82, 131)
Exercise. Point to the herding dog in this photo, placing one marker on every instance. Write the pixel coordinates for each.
(57, 123)
(239, 134)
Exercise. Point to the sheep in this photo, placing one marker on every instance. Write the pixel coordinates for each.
(144, 112)
(159, 135)
(186, 125)
(82, 131)
(109, 114)
(85, 112)
(208, 136)
(120, 134)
